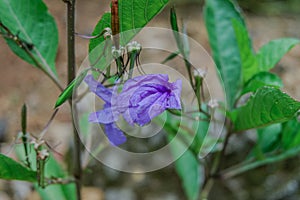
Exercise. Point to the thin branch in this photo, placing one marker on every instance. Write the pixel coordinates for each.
(222, 154)
(77, 170)
(42, 134)
(115, 23)
(246, 166)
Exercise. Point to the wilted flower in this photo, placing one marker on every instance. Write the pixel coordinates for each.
(141, 99)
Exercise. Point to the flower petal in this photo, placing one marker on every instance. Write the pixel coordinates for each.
(104, 116)
(96, 87)
(148, 108)
(173, 102)
(146, 79)
(174, 99)
(115, 135)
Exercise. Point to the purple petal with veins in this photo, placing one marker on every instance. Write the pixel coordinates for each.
(142, 98)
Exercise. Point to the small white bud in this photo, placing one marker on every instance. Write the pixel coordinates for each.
(213, 103)
(133, 46)
(107, 33)
(108, 30)
(116, 53)
(43, 154)
(200, 72)
(37, 144)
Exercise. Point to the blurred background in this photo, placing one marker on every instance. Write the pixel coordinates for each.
(21, 83)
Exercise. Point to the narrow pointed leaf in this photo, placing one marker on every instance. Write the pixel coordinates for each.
(267, 106)
(218, 19)
(271, 53)
(12, 170)
(67, 93)
(32, 23)
(177, 35)
(171, 57)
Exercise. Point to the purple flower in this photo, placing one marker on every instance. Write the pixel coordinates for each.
(141, 99)
(145, 97)
(105, 116)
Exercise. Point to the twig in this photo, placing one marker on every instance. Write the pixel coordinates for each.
(77, 171)
(24, 133)
(229, 133)
(42, 134)
(115, 23)
(217, 163)
(249, 165)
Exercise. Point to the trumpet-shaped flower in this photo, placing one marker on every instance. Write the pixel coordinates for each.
(141, 99)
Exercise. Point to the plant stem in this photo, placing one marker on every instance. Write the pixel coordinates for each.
(217, 163)
(244, 167)
(77, 171)
(115, 22)
(24, 133)
(208, 183)
(229, 133)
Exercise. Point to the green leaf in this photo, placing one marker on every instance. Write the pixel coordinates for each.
(177, 35)
(67, 93)
(267, 106)
(32, 23)
(187, 168)
(190, 172)
(12, 170)
(173, 20)
(52, 169)
(262, 79)
(268, 137)
(171, 57)
(187, 165)
(248, 59)
(291, 134)
(135, 14)
(218, 19)
(271, 53)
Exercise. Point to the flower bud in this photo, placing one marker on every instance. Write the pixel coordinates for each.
(200, 73)
(133, 46)
(116, 53)
(213, 103)
(43, 154)
(107, 33)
